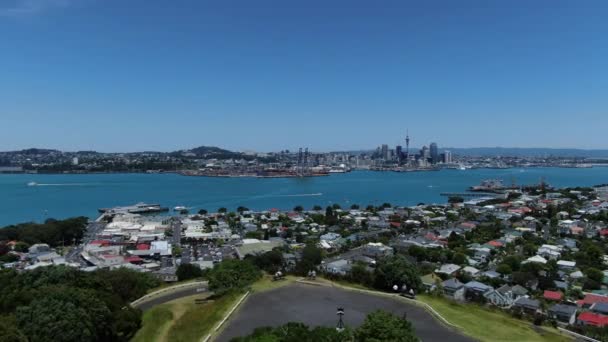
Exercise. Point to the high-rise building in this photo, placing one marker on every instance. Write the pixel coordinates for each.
(434, 153)
(399, 153)
(447, 157)
(384, 152)
(424, 153)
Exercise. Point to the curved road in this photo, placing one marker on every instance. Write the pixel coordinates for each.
(169, 294)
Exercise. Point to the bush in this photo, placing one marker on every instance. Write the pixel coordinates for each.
(232, 275)
(188, 271)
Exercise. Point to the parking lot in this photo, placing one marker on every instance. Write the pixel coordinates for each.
(316, 306)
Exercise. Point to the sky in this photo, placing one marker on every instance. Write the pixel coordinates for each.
(132, 75)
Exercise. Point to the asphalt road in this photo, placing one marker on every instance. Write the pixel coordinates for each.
(171, 295)
(316, 306)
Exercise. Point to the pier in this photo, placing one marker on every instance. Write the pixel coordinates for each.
(470, 194)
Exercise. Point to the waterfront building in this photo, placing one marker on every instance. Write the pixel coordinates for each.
(434, 153)
(447, 157)
(384, 152)
(399, 153)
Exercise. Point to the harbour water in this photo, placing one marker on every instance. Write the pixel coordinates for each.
(61, 196)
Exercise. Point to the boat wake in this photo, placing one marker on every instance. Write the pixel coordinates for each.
(301, 195)
(59, 184)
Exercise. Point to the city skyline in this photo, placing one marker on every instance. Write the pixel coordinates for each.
(274, 76)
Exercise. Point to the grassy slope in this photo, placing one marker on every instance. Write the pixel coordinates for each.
(154, 322)
(182, 320)
(199, 320)
(489, 325)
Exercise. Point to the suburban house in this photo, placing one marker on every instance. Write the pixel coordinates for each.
(562, 313)
(448, 269)
(591, 299)
(600, 308)
(453, 288)
(475, 290)
(505, 295)
(527, 305)
(590, 318)
(553, 295)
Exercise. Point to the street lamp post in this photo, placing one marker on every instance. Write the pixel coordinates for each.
(340, 313)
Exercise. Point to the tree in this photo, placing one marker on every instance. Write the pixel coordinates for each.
(298, 209)
(66, 314)
(359, 274)
(202, 212)
(513, 261)
(595, 274)
(188, 271)
(222, 210)
(455, 199)
(232, 274)
(397, 270)
(9, 331)
(21, 247)
(378, 326)
(460, 259)
(270, 262)
(317, 208)
(241, 209)
(52, 232)
(383, 326)
(311, 257)
(354, 207)
(504, 269)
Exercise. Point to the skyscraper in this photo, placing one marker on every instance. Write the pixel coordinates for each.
(399, 153)
(434, 153)
(447, 157)
(384, 152)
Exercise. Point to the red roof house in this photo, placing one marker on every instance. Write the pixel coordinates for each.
(591, 299)
(495, 243)
(553, 295)
(143, 247)
(134, 259)
(590, 318)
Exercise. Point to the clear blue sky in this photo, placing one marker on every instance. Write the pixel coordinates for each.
(125, 75)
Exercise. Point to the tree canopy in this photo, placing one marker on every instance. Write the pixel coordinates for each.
(232, 274)
(60, 303)
(397, 270)
(52, 232)
(378, 326)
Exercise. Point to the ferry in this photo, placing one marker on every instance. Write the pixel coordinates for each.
(139, 208)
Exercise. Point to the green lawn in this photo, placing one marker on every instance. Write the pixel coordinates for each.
(154, 322)
(489, 325)
(267, 283)
(200, 320)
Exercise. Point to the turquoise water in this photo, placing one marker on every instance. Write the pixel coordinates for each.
(61, 196)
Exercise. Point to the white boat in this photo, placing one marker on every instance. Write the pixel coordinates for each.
(32, 184)
(180, 208)
(461, 167)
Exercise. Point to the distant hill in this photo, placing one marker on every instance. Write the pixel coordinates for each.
(35, 151)
(212, 152)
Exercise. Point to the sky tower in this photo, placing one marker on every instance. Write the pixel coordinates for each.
(407, 143)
